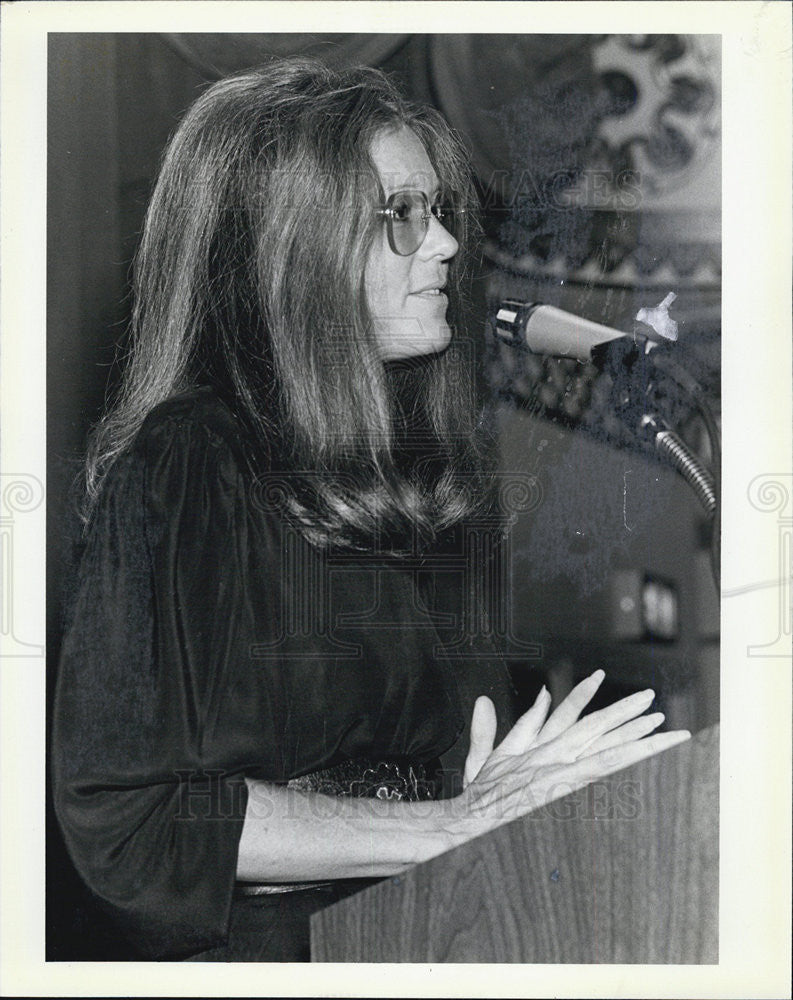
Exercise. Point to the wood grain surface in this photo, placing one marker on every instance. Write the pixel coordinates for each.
(625, 871)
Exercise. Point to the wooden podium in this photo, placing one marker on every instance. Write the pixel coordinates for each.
(624, 871)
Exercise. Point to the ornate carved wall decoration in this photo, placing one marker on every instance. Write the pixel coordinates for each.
(598, 158)
(664, 117)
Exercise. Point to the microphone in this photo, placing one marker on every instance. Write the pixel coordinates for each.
(547, 330)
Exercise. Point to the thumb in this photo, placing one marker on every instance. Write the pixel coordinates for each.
(483, 736)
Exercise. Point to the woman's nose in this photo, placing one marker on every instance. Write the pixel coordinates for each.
(438, 242)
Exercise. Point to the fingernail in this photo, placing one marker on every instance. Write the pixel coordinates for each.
(658, 718)
(598, 675)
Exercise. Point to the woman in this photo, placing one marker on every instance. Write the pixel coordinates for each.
(259, 704)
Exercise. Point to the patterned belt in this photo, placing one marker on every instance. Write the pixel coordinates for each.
(274, 888)
(396, 779)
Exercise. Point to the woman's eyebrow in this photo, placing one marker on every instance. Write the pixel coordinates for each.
(416, 184)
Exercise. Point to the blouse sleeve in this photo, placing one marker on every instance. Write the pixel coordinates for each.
(151, 810)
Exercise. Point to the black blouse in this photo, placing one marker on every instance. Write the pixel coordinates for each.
(208, 641)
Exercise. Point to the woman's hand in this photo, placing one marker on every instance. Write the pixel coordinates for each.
(543, 758)
(289, 835)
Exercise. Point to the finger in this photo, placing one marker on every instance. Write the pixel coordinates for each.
(569, 745)
(483, 736)
(598, 765)
(523, 734)
(599, 723)
(634, 730)
(571, 708)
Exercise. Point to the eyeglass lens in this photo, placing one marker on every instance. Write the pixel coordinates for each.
(408, 215)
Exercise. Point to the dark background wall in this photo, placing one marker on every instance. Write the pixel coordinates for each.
(528, 106)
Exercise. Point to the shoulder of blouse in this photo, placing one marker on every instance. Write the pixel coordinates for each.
(191, 440)
(201, 413)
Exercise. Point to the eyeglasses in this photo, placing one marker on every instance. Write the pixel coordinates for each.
(408, 214)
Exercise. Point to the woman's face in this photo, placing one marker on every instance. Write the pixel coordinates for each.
(409, 312)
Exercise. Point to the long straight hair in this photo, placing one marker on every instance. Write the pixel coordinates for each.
(250, 277)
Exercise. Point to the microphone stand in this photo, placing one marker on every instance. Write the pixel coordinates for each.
(672, 448)
(634, 367)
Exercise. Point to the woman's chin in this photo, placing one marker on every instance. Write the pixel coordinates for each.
(415, 344)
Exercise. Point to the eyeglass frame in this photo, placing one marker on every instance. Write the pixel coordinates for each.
(388, 213)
